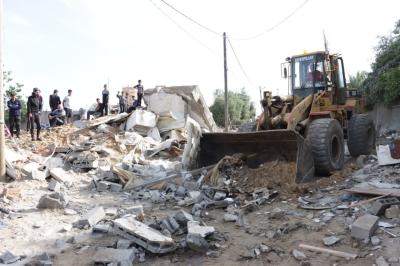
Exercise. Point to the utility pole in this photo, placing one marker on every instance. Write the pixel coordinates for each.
(2, 136)
(226, 86)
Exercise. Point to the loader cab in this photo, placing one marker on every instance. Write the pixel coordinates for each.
(308, 74)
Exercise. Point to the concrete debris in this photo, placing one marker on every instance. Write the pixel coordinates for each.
(137, 211)
(392, 212)
(364, 226)
(230, 217)
(111, 256)
(381, 261)
(61, 175)
(197, 243)
(7, 257)
(298, 255)
(69, 211)
(101, 228)
(29, 167)
(194, 227)
(124, 243)
(55, 200)
(91, 218)
(53, 185)
(183, 217)
(379, 206)
(142, 235)
(375, 241)
(331, 240)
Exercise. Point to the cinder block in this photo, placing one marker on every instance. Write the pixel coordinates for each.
(364, 226)
(379, 206)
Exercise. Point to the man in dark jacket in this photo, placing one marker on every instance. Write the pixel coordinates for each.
(54, 100)
(34, 107)
(14, 114)
(105, 94)
(121, 101)
(139, 88)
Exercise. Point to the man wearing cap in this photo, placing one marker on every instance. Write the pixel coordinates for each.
(139, 88)
(34, 107)
(14, 114)
(54, 100)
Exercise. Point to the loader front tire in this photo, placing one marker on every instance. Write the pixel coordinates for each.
(325, 136)
(361, 135)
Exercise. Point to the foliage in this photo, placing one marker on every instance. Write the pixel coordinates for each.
(11, 87)
(357, 80)
(382, 84)
(240, 108)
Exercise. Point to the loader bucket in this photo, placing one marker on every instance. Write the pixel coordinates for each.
(260, 147)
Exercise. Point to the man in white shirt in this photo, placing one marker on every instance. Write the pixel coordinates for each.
(67, 107)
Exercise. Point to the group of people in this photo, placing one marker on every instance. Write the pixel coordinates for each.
(61, 111)
(100, 108)
(60, 114)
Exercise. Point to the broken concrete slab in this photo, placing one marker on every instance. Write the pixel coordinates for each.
(364, 226)
(55, 200)
(54, 185)
(61, 175)
(392, 212)
(194, 227)
(143, 235)
(115, 187)
(101, 228)
(120, 257)
(197, 243)
(375, 241)
(7, 257)
(124, 243)
(137, 211)
(381, 261)
(91, 218)
(29, 167)
(183, 217)
(330, 240)
(103, 186)
(141, 121)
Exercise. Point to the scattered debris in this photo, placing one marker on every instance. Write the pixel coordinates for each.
(111, 256)
(329, 251)
(331, 240)
(55, 200)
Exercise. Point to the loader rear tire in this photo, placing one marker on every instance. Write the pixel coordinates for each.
(325, 136)
(361, 135)
(248, 127)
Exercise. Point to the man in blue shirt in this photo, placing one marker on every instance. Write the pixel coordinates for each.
(14, 114)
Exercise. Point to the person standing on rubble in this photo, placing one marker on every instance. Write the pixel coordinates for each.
(67, 107)
(34, 107)
(121, 102)
(139, 88)
(54, 100)
(14, 114)
(105, 94)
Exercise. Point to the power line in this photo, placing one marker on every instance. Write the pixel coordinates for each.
(183, 29)
(240, 64)
(191, 19)
(274, 26)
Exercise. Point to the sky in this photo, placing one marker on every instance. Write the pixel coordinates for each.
(83, 44)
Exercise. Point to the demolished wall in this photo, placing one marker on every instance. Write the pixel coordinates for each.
(181, 101)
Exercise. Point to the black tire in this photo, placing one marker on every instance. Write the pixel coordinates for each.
(361, 135)
(248, 127)
(325, 136)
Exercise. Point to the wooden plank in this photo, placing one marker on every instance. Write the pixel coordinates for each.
(375, 191)
(329, 251)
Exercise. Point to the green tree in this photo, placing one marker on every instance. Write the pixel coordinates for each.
(382, 84)
(240, 108)
(357, 80)
(11, 87)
